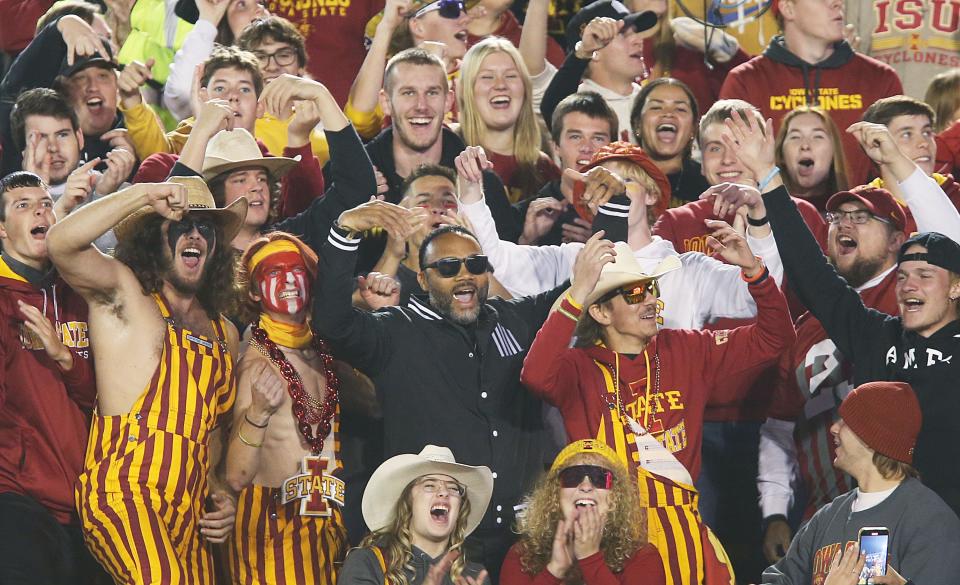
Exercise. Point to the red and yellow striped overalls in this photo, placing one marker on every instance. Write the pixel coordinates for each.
(274, 544)
(690, 551)
(145, 479)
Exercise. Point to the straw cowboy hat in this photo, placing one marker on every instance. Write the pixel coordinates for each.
(199, 199)
(626, 270)
(395, 474)
(237, 149)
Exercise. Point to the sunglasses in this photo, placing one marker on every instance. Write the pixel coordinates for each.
(450, 267)
(447, 8)
(206, 227)
(601, 478)
(634, 294)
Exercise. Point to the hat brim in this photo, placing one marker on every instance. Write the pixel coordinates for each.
(620, 279)
(387, 483)
(641, 21)
(276, 166)
(230, 219)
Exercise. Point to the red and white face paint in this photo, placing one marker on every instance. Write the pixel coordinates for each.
(284, 283)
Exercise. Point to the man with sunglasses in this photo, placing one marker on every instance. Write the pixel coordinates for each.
(446, 365)
(643, 391)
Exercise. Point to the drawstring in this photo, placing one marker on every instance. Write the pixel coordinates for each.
(56, 308)
(816, 86)
(44, 301)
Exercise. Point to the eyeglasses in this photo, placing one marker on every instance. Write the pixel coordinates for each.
(450, 267)
(634, 294)
(282, 57)
(430, 485)
(857, 217)
(448, 9)
(572, 476)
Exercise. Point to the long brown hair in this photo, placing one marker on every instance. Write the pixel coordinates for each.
(396, 541)
(837, 180)
(143, 252)
(624, 527)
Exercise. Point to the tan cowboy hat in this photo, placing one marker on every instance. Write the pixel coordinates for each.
(395, 474)
(626, 270)
(199, 199)
(236, 149)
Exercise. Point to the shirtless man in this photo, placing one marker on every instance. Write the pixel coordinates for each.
(164, 359)
(284, 447)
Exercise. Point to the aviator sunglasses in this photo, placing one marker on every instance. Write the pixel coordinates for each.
(447, 8)
(634, 294)
(572, 476)
(449, 267)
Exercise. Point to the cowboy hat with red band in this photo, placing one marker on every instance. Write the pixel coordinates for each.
(631, 153)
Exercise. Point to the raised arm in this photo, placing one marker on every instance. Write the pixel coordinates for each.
(533, 36)
(92, 274)
(522, 270)
(931, 208)
(358, 336)
(197, 46)
(365, 92)
(828, 297)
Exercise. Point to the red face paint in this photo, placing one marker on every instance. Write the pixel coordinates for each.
(284, 283)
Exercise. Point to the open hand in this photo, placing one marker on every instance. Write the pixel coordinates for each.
(753, 144)
(120, 163)
(396, 220)
(80, 38)
(49, 336)
(562, 555)
(587, 532)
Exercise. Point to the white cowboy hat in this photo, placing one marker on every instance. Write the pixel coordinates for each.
(395, 474)
(199, 199)
(237, 149)
(626, 270)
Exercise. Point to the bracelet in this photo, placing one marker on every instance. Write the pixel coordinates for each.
(578, 54)
(253, 424)
(758, 222)
(766, 180)
(247, 442)
(756, 277)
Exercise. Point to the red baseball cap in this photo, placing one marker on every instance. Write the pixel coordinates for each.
(629, 152)
(880, 202)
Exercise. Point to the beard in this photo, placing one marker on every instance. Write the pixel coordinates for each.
(181, 284)
(444, 303)
(861, 271)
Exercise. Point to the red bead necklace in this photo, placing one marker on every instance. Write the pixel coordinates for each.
(305, 408)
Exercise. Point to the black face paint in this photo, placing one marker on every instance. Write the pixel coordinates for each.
(205, 227)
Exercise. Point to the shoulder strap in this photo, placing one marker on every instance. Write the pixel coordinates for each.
(381, 557)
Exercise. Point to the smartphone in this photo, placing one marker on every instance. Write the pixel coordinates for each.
(873, 545)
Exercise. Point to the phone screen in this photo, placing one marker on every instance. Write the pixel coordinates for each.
(874, 548)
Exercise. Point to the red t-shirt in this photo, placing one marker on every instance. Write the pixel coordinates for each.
(506, 167)
(334, 38)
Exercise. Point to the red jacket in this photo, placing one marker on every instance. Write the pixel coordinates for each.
(845, 84)
(691, 363)
(643, 568)
(44, 412)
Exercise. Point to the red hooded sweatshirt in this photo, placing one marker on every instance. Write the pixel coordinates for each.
(686, 368)
(44, 411)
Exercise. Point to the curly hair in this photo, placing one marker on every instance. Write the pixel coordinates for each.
(247, 310)
(624, 526)
(143, 253)
(397, 544)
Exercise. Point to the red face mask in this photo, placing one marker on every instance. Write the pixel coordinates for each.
(284, 283)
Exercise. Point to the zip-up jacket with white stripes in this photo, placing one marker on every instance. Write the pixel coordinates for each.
(442, 383)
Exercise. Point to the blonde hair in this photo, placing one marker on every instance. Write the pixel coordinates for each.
(943, 95)
(837, 180)
(526, 131)
(624, 525)
(396, 543)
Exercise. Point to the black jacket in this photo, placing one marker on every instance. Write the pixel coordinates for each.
(878, 345)
(442, 383)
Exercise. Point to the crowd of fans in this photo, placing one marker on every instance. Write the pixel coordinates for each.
(469, 292)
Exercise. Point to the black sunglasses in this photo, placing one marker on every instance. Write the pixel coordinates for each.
(601, 478)
(450, 267)
(447, 8)
(206, 227)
